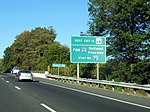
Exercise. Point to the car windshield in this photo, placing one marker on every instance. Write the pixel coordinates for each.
(25, 71)
(16, 68)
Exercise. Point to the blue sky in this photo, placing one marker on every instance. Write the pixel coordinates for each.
(68, 17)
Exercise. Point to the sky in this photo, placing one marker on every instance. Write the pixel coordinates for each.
(67, 17)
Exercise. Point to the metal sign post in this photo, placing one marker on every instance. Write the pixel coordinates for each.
(58, 71)
(78, 75)
(97, 71)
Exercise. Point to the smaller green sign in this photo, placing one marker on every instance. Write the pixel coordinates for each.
(58, 65)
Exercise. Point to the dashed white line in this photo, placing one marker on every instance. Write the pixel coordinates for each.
(17, 87)
(47, 107)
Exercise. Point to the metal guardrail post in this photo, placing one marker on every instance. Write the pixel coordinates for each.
(122, 89)
(148, 93)
(113, 88)
(134, 90)
(104, 86)
(97, 85)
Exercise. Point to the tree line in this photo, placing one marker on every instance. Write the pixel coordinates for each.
(125, 24)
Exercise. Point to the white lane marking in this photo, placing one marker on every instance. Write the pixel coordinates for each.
(7, 81)
(48, 108)
(17, 87)
(126, 102)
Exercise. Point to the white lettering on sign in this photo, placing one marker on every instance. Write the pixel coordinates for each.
(95, 48)
(78, 40)
(92, 52)
(76, 49)
(89, 58)
(81, 58)
(85, 40)
(92, 40)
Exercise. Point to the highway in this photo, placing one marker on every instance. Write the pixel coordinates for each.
(44, 95)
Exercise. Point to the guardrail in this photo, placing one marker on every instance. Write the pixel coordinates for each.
(104, 84)
(120, 86)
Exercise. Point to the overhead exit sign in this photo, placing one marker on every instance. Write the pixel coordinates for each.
(88, 49)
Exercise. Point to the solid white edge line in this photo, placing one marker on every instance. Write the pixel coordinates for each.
(48, 108)
(17, 87)
(126, 102)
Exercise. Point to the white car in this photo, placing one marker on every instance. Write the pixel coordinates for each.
(15, 70)
(24, 75)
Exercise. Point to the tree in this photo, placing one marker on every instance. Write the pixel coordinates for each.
(1, 65)
(8, 61)
(57, 53)
(141, 72)
(29, 47)
(126, 22)
(42, 36)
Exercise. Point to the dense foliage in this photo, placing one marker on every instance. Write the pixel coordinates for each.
(35, 49)
(126, 23)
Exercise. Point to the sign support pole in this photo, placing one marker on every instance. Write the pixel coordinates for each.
(77, 70)
(58, 71)
(97, 71)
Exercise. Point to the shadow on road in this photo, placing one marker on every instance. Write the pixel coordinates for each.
(29, 81)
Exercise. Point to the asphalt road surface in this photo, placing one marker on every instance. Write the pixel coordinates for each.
(43, 95)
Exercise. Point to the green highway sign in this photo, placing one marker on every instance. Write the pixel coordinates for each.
(88, 49)
(58, 65)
